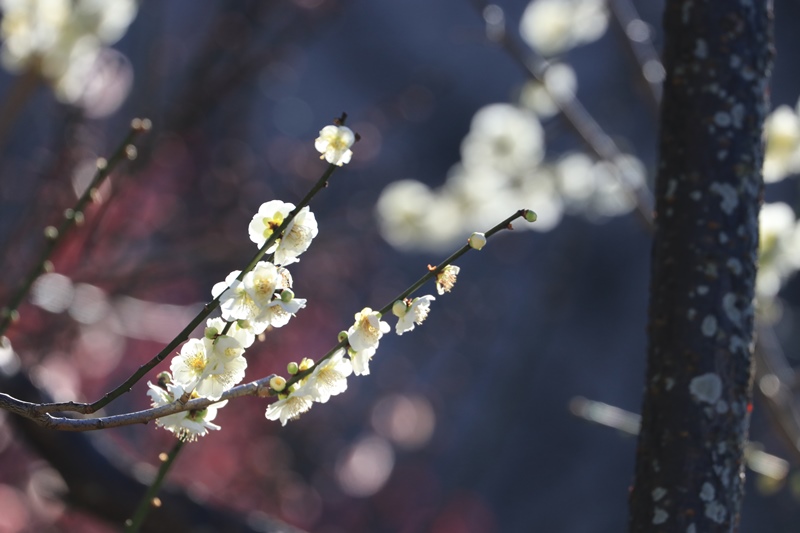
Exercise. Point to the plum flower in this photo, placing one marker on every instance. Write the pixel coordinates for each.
(329, 378)
(334, 144)
(234, 301)
(209, 367)
(411, 314)
(290, 407)
(186, 425)
(364, 337)
(297, 235)
(446, 278)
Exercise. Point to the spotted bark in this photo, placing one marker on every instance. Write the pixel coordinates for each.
(689, 464)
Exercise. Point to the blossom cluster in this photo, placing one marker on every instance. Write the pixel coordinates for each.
(329, 377)
(62, 40)
(250, 302)
(502, 164)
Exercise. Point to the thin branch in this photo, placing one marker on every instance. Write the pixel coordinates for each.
(40, 413)
(85, 408)
(73, 216)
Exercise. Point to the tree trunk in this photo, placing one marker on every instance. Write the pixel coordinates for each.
(695, 417)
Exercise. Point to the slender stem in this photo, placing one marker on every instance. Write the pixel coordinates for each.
(143, 509)
(73, 216)
(260, 387)
(432, 272)
(201, 316)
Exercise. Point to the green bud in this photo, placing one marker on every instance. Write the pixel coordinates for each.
(211, 333)
(342, 336)
(399, 308)
(287, 296)
(293, 368)
(530, 215)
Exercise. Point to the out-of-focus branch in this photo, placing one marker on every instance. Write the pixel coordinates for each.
(581, 121)
(637, 38)
(73, 216)
(104, 484)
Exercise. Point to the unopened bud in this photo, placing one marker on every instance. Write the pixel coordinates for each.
(47, 266)
(211, 333)
(530, 215)
(51, 232)
(342, 336)
(477, 240)
(101, 163)
(277, 383)
(287, 296)
(292, 368)
(399, 308)
(78, 216)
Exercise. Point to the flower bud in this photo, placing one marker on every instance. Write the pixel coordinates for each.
(287, 296)
(477, 240)
(292, 368)
(50, 232)
(211, 333)
(277, 383)
(530, 215)
(306, 363)
(399, 308)
(342, 336)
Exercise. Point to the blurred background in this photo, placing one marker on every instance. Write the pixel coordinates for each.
(481, 419)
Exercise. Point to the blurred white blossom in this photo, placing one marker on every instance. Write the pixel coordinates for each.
(503, 137)
(596, 189)
(782, 136)
(560, 85)
(552, 27)
(63, 40)
(779, 248)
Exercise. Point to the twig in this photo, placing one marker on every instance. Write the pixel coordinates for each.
(146, 503)
(90, 408)
(40, 413)
(72, 216)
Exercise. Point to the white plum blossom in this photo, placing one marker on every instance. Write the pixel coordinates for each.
(186, 425)
(234, 301)
(367, 331)
(209, 367)
(281, 310)
(297, 236)
(190, 366)
(291, 407)
(261, 284)
(552, 27)
(411, 314)
(446, 278)
(241, 330)
(268, 218)
(364, 337)
(334, 144)
(782, 151)
(329, 378)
